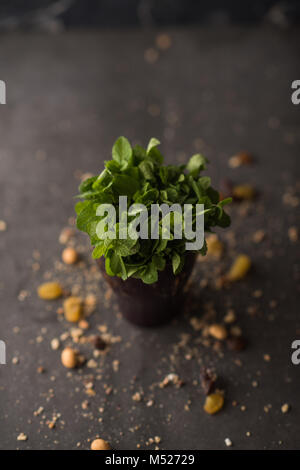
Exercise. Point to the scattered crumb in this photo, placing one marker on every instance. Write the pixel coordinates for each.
(285, 408)
(151, 55)
(3, 226)
(228, 442)
(55, 344)
(163, 41)
(293, 234)
(258, 236)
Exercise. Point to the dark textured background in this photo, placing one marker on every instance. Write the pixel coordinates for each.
(57, 15)
(70, 96)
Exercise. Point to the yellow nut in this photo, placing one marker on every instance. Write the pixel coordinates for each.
(49, 290)
(69, 255)
(213, 403)
(73, 309)
(239, 268)
(218, 331)
(69, 358)
(243, 191)
(214, 246)
(100, 444)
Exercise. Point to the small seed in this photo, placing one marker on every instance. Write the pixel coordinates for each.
(69, 255)
(213, 403)
(49, 290)
(69, 358)
(100, 444)
(217, 331)
(73, 309)
(239, 268)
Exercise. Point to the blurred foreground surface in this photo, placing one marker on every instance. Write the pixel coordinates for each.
(68, 98)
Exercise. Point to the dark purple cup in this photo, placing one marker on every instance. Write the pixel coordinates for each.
(151, 304)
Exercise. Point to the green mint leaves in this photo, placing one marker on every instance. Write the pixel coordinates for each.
(140, 174)
(122, 152)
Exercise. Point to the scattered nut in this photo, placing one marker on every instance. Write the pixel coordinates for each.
(22, 437)
(49, 290)
(69, 255)
(100, 444)
(213, 403)
(243, 192)
(239, 268)
(285, 408)
(69, 358)
(73, 309)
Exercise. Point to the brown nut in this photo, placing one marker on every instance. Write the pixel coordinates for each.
(100, 444)
(69, 255)
(69, 358)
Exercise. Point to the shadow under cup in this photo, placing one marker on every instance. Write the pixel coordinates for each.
(151, 304)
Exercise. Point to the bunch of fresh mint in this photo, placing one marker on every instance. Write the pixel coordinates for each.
(140, 175)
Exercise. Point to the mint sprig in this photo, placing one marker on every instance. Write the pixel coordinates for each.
(140, 174)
